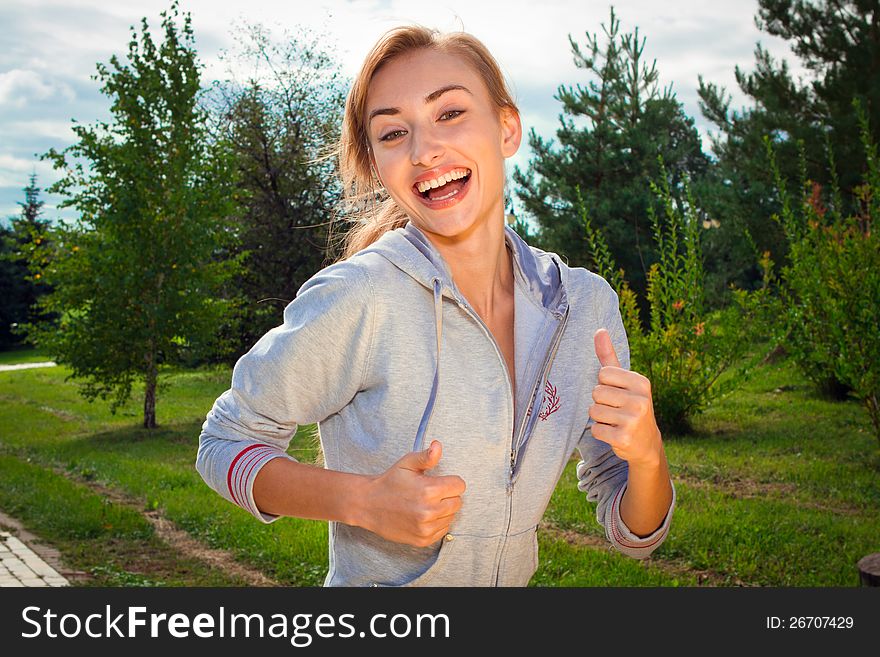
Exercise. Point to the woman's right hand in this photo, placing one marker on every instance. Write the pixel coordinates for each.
(406, 505)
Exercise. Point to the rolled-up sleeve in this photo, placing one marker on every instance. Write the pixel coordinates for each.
(603, 475)
(298, 373)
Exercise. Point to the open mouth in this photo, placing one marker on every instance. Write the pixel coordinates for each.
(444, 187)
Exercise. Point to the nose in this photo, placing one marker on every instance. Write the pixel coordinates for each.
(425, 147)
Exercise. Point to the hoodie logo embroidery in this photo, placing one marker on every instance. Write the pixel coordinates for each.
(549, 403)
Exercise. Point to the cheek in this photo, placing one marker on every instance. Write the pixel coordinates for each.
(392, 175)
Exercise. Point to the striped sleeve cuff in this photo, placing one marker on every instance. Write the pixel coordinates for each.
(242, 473)
(624, 540)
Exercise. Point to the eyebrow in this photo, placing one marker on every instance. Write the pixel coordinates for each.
(430, 98)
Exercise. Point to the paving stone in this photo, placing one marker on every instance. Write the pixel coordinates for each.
(57, 581)
(17, 546)
(39, 566)
(21, 566)
(32, 582)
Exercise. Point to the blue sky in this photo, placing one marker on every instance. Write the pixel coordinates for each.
(50, 48)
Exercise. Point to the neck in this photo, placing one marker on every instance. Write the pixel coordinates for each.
(480, 264)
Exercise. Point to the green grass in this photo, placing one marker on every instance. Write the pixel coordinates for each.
(114, 544)
(775, 488)
(24, 355)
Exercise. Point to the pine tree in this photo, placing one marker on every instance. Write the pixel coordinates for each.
(19, 289)
(838, 43)
(612, 131)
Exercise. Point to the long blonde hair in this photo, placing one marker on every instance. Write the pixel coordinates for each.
(365, 204)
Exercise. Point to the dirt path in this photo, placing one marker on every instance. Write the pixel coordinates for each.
(178, 539)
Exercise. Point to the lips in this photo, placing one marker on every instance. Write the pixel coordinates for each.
(443, 175)
(446, 195)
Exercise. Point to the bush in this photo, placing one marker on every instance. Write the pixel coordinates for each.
(831, 286)
(685, 349)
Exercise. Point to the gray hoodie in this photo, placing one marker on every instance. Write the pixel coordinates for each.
(384, 352)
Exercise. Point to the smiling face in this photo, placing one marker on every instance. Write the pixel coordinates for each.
(438, 142)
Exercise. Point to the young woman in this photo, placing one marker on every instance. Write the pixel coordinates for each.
(452, 369)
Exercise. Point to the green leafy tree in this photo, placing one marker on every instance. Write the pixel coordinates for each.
(280, 122)
(838, 43)
(685, 347)
(134, 278)
(830, 303)
(612, 131)
(19, 289)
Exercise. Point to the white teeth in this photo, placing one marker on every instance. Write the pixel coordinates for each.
(425, 185)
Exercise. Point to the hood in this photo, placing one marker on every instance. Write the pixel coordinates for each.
(409, 249)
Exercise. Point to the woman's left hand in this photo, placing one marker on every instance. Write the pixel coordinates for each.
(623, 410)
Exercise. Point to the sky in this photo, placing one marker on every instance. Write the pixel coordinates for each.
(49, 50)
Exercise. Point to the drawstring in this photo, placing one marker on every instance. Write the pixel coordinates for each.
(429, 409)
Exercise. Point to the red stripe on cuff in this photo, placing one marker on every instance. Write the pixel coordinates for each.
(241, 479)
(232, 469)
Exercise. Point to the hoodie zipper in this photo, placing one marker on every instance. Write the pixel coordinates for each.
(516, 449)
(548, 361)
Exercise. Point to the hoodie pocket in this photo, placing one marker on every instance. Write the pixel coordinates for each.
(444, 555)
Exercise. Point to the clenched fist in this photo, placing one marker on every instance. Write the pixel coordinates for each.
(407, 505)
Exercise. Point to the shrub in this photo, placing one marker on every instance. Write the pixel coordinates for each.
(685, 349)
(831, 285)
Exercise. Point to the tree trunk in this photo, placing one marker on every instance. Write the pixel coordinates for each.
(150, 393)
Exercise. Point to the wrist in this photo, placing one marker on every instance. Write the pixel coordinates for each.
(356, 505)
(652, 461)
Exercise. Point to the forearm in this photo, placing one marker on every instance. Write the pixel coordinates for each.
(647, 497)
(290, 488)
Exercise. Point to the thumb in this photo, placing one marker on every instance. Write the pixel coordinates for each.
(424, 460)
(605, 349)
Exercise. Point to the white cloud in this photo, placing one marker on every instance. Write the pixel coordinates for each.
(14, 171)
(51, 48)
(19, 87)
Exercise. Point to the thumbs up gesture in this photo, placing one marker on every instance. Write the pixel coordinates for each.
(407, 505)
(623, 410)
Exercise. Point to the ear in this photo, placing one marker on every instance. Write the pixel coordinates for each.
(511, 131)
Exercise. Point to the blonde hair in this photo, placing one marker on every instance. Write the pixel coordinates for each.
(364, 202)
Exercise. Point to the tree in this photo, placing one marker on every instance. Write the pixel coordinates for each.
(829, 306)
(684, 349)
(280, 122)
(134, 277)
(612, 131)
(19, 290)
(838, 43)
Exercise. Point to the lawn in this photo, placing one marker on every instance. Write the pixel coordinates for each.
(776, 487)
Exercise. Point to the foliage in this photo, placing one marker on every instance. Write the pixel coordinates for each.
(611, 132)
(684, 349)
(832, 283)
(838, 44)
(815, 516)
(134, 278)
(19, 290)
(279, 121)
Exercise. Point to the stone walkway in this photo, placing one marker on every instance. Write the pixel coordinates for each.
(21, 566)
(26, 366)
